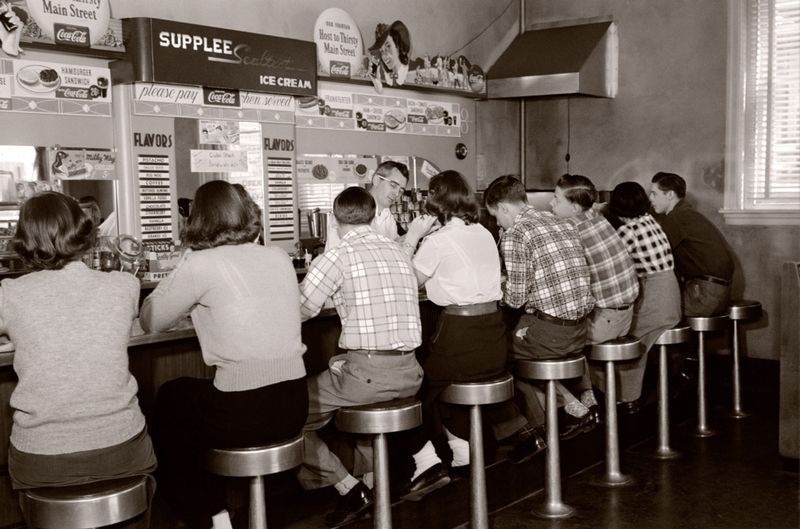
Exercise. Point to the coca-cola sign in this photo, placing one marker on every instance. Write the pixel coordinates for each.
(340, 69)
(221, 97)
(71, 35)
(68, 92)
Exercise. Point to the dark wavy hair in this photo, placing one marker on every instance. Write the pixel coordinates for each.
(506, 188)
(578, 189)
(52, 231)
(399, 33)
(628, 200)
(354, 206)
(670, 182)
(449, 195)
(222, 214)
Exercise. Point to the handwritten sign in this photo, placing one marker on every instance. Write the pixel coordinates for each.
(208, 161)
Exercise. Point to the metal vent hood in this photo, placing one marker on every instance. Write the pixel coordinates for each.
(566, 60)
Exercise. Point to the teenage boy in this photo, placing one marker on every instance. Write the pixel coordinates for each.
(702, 258)
(374, 288)
(614, 283)
(547, 275)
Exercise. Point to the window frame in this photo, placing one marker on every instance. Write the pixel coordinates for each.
(735, 140)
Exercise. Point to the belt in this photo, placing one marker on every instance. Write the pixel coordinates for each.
(382, 352)
(558, 321)
(477, 309)
(621, 307)
(712, 279)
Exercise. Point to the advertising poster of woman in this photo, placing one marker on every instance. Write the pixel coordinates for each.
(389, 55)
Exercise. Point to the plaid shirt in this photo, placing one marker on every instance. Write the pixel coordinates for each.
(546, 267)
(614, 281)
(648, 245)
(374, 288)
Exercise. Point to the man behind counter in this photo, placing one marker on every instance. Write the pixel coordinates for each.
(702, 258)
(388, 183)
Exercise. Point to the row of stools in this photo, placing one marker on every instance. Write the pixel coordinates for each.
(106, 503)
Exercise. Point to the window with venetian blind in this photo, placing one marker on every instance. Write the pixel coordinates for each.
(764, 112)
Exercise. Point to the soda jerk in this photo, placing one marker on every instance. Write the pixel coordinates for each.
(73, 10)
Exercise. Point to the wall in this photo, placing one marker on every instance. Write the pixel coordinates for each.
(669, 115)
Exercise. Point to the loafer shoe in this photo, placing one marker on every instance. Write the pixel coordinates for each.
(524, 449)
(628, 408)
(434, 478)
(574, 426)
(351, 506)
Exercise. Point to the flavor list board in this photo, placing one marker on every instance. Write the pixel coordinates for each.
(155, 197)
(280, 198)
(334, 109)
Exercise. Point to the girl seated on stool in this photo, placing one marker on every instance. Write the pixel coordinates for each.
(245, 305)
(76, 416)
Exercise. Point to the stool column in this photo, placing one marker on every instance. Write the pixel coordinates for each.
(478, 502)
(258, 503)
(613, 475)
(383, 504)
(738, 412)
(702, 407)
(663, 451)
(553, 507)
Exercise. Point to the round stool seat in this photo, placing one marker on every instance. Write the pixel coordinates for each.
(84, 506)
(744, 309)
(381, 417)
(477, 393)
(255, 461)
(708, 323)
(676, 335)
(617, 350)
(552, 369)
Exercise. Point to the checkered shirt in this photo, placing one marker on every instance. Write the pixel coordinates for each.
(374, 288)
(546, 267)
(614, 281)
(648, 245)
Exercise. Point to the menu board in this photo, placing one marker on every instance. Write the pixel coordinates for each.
(321, 177)
(280, 198)
(54, 88)
(334, 109)
(155, 196)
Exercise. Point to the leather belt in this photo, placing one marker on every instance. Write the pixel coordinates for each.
(477, 309)
(558, 321)
(621, 307)
(383, 352)
(713, 279)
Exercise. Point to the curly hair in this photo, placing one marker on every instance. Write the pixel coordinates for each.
(449, 195)
(52, 231)
(399, 33)
(222, 214)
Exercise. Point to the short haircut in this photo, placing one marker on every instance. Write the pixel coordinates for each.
(629, 200)
(578, 189)
(385, 169)
(354, 206)
(222, 214)
(52, 231)
(449, 195)
(506, 188)
(670, 182)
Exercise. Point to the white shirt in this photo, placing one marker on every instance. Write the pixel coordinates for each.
(463, 264)
(382, 223)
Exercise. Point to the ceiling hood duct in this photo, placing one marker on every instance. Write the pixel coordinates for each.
(567, 60)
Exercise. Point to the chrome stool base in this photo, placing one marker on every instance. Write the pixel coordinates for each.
(739, 414)
(613, 480)
(549, 511)
(666, 454)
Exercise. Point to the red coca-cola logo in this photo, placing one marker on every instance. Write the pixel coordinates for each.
(72, 35)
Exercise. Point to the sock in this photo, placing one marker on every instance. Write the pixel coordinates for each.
(369, 479)
(576, 409)
(425, 459)
(460, 449)
(344, 486)
(587, 398)
(565, 393)
(221, 520)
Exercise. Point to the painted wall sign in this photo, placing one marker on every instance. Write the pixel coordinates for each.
(74, 23)
(174, 52)
(340, 48)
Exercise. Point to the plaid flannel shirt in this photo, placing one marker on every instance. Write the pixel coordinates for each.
(374, 288)
(648, 245)
(614, 280)
(546, 267)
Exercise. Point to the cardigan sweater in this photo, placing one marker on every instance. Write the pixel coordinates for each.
(71, 329)
(245, 306)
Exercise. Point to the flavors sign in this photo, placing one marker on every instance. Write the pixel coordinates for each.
(189, 54)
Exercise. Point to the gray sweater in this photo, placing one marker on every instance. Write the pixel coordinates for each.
(71, 329)
(245, 306)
